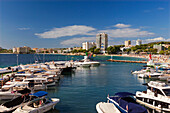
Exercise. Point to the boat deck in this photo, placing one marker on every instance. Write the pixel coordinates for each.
(107, 108)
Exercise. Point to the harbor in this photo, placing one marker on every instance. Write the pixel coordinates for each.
(92, 84)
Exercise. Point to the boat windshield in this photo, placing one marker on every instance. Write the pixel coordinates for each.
(167, 92)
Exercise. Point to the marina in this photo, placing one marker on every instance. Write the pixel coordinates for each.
(92, 83)
(84, 56)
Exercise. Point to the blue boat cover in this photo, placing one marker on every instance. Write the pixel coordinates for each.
(39, 94)
(136, 108)
(124, 94)
(129, 104)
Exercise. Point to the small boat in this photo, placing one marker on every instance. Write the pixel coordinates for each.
(8, 91)
(82, 64)
(104, 107)
(154, 75)
(11, 105)
(126, 103)
(86, 62)
(164, 77)
(39, 105)
(157, 96)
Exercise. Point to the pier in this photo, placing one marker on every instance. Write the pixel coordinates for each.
(127, 61)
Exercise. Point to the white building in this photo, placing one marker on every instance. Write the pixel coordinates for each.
(88, 45)
(127, 43)
(158, 47)
(138, 42)
(21, 50)
(102, 42)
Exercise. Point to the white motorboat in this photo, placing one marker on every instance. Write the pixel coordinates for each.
(164, 77)
(44, 81)
(104, 107)
(25, 99)
(86, 62)
(7, 92)
(154, 75)
(40, 105)
(82, 64)
(156, 97)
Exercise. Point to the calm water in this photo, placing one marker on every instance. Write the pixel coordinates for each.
(79, 92)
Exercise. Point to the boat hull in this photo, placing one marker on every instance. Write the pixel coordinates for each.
(8, 96)
(151, 102)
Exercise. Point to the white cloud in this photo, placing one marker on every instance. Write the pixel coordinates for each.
(119, 25)
(126, 32)
(121, 31)
(77, 41)
(67, 31)
(23, 28)
(161, 8)
(158, 39)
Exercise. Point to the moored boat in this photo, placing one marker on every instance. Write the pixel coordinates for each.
(126, 103)
(157, 96)
(104, 107)
(39, 105)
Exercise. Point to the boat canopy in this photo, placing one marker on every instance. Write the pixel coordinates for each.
(135, 108)
(39, 94)
(124, 94)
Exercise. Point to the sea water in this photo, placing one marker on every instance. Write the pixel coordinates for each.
(80, 91)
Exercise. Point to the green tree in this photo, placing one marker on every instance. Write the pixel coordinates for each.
(74, 51)
(169, 48)
(97, 51)
(162, 52)
(92, 49)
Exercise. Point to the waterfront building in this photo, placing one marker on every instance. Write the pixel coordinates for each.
(42, 50)
(127, 43)
(158, 47)
(138, 42)
(102, 41)
(67, 50)
(88, 45)
(166, 45)
(21, 50)
(36, 50)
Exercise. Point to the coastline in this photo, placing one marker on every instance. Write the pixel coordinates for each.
(156, 58)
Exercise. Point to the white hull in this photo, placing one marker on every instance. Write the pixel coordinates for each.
(103, 107)
(152, 106)
(8, 96)
(41, 109)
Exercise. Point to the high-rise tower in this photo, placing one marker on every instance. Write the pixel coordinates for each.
(102, 41)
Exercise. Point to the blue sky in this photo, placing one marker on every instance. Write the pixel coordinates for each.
(57, 23)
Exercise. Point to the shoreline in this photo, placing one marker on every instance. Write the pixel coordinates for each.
(156, 58)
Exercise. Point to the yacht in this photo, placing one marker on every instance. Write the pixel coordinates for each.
(164, 77)
(86, 62)
(153, 75)
(157, 96)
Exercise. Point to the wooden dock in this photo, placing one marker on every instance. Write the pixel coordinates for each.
(127, 61)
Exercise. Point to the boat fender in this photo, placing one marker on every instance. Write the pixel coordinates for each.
(127, 107)
(159, 106)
